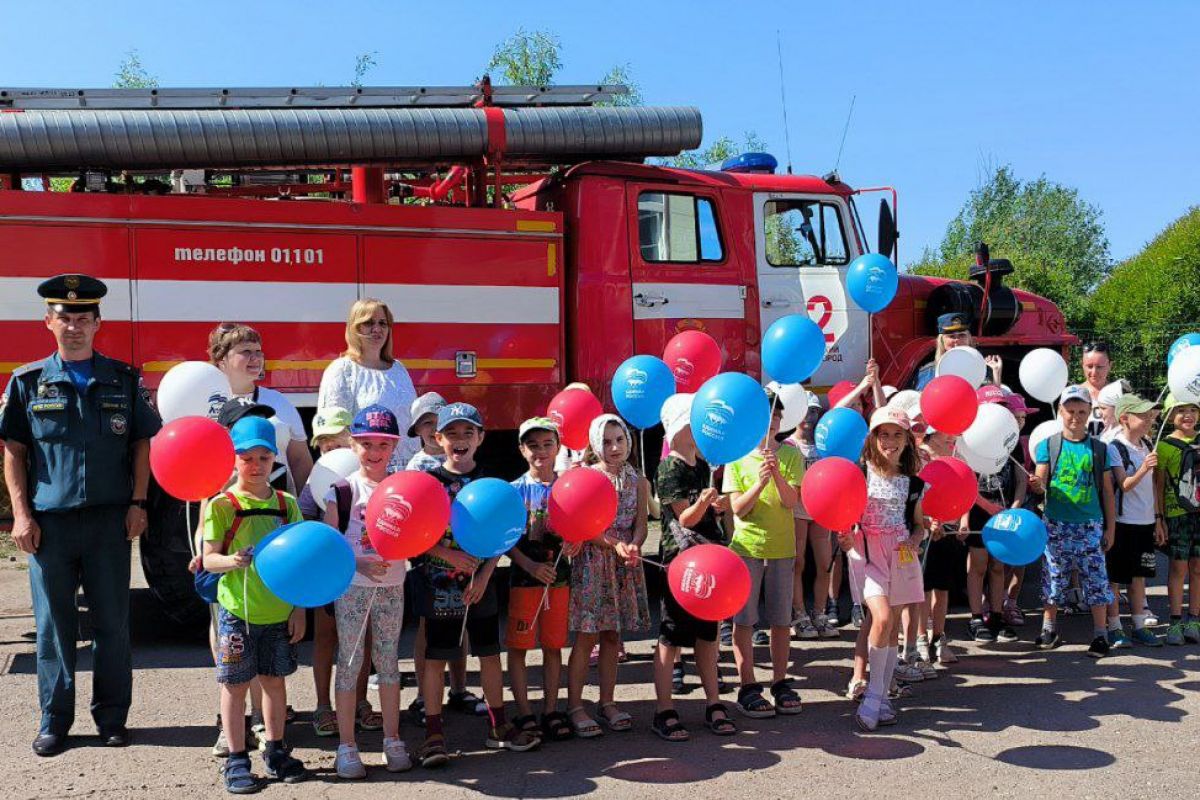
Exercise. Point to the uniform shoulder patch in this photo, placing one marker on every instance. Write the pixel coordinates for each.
(31, 367)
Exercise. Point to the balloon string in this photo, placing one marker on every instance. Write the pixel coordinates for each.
(642, 449)
(363, 630)
(767, 435)
(187, 522)
(1020, 466)
(546, 591)
(652, 561)
(246, 596)
(466, 610)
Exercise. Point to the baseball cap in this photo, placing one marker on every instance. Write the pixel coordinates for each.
(989, 393)
(814, 402)
(250, 432)
(838, 391)
(330, 421)
(676, 414)
(428, 403)
(537, 424)
(890, 415)
(1016, 404)
(458, 412)
(375, 420)
(1075, 393)
(233, 410)
(1133, 404)
(1109, 395)
(1172, 404)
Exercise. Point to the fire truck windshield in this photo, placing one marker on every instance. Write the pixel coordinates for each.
(804, 232)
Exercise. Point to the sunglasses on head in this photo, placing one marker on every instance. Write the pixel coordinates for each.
(1095, 347)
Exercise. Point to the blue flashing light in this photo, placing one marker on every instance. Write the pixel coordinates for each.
(751, 162)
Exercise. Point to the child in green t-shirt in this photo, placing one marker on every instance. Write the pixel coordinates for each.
(1182, 526)
(256, 631)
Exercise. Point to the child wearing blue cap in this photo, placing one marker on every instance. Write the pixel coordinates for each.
(256, 631)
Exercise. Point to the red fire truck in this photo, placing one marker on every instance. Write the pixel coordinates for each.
(516, 232)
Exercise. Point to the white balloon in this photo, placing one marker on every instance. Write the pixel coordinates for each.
(1043, 374)
(906, 400)
(965, 362)
(994, 433)
(1043, 432)
(984, 465)
(330, 468)
(192, 389)
(794, 399)
(1183, 376)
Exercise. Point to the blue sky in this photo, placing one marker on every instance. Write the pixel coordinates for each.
(1099, 96)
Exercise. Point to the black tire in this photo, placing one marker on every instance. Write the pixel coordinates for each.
(165, 555)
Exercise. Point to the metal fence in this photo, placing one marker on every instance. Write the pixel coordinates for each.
(1139, 355)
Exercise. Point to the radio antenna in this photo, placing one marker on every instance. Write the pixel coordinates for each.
(845, 130)
(783, 102)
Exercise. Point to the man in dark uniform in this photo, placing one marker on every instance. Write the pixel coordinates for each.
(76, 428)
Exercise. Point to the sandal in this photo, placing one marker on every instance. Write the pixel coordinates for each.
(324, 722)
(528, 724)
(667, 727)
(786, 699)
(466, 702)
(367, 718)
(509, 737)
(618, 722)
(752, 704)
(556, 727)
(586, 728)
(433, 752)
(239, 779)
(721, 726)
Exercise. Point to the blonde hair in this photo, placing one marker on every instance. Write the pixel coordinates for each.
(362, 311)
(227, 336)
(941, 345)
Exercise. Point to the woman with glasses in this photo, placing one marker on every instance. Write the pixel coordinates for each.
(368, 373)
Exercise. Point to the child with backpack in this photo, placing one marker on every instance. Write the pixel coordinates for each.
(1131, 559)
(374, 598)
(256, 631)
(1177, 493)
(1073, 468)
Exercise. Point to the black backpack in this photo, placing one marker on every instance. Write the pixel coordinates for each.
(1187, 482)
(1099, 457)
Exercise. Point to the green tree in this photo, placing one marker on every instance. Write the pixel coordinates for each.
(526, 59)
(721, 148)
(622, 75)
(1054, 239)
(362, 65)
(132, 74)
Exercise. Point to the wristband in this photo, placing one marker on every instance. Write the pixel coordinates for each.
(139, 503)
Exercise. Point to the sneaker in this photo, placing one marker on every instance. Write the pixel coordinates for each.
(831, 611)
(909, 673)
(395, 756)
(856, 616)
(1191, 631)
(1151, 617)
(826, 628)
(1006, 634)
(898, 689)
(1175, 633)
(727, 633)
(1146, 638)
(944, 652)
(349, 765)
(804, 627)
(980, 631)
(221, 748)
(923, 651)
(1013, 615)
(280, 765)
(1098, 648)
(856, 690)
(1117, 640)
(928, 670)
(416, 712)
(761, 638)
(1047, 640)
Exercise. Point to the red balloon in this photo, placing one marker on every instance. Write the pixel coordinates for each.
(192, 458)
(574, 410)
(407, 514)
(952, 488)
(694, 357)
(583, 504)
(949, 404)
(834, 491)
(710, 581)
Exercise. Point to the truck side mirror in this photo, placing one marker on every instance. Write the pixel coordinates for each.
(887, 230)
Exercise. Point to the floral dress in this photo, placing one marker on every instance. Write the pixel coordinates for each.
(606, 593)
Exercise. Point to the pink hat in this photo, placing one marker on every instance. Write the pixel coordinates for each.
(891, 416)
(989, 393)
(1016, 404)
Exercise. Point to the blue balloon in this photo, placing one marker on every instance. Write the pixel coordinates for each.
(793, 348)
(307, 564)
(487, 517)
(841, 432)
(872, 282)
(1015, 537)
(640, 386)
(1182, 343)
(730, 417)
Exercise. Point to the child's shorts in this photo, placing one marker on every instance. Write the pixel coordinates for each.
(1183, 537)
(444, 636)
(886, 570)
(1132, 554)
(524, 632)
(678, 628)
(242, 656)
(776, 575)
(1075, 546)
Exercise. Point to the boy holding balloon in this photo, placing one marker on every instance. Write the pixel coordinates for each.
(256, 631)
(1179, 523)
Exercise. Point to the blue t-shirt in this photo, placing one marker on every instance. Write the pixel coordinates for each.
(539, 542)
(1072, 495)
(80, 372)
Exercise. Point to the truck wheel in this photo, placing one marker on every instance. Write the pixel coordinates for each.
(165, 556)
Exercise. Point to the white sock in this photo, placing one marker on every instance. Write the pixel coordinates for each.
(1139, 621)
(877, 681)
(893, 655)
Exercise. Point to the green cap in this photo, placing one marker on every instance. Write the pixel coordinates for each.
(1132, 404)
(1173, 404)
(330, 421)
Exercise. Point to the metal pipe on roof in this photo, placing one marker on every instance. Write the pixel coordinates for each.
(174, 138)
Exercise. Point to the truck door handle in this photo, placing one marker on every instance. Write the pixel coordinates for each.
(650, 300)
(774, 302)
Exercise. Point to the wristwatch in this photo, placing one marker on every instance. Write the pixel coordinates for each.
(139, 503)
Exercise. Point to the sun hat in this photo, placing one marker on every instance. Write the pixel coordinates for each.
(890, 415)
(428, 403)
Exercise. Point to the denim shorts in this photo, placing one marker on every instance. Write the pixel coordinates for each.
(244, 654)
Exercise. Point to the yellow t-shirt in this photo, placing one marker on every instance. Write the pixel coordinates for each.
(264, 607)
(768, 531)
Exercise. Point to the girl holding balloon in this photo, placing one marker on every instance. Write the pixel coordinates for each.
(821, 624)
(608, 586)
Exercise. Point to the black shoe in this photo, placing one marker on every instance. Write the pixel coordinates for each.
(280, 765)
(980, 631)
(1048, 640)
(1099, 647)
(117, 737)
(49, 744)
(1002, 632)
